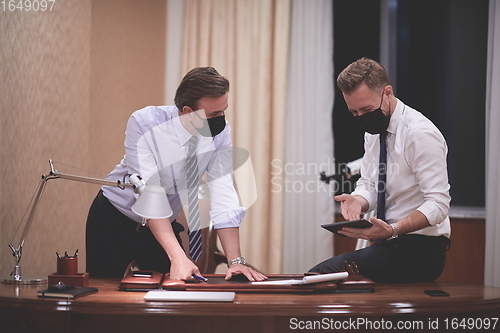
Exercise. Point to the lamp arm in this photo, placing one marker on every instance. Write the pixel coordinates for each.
(31, 216)
(135, 182)
(90, 180)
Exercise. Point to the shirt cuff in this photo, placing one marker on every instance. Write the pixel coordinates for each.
(434, 212)
(228, 219)
(369, 197)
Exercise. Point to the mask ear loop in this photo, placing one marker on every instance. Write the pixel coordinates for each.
(196, 113)
(382, 100)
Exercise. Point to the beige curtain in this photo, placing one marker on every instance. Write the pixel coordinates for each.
(247, 41)
(309, 140)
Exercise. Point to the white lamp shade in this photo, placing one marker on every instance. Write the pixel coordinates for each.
(153, 203)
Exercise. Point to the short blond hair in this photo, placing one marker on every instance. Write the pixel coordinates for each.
(363, 70)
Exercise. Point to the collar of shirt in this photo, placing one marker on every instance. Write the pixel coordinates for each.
(182, 134)
(396, 117)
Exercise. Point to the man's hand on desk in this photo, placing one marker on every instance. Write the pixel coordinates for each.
(183, 268)
(250, 273)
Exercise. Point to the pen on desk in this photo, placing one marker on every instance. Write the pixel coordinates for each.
(199, 278)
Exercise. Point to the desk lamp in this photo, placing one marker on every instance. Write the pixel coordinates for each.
(151, 203)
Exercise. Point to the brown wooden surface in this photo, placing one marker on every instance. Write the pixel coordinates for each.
(110, 309)
(465, 259)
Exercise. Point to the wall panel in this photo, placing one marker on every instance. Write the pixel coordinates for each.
(44, 114)
(69, 78)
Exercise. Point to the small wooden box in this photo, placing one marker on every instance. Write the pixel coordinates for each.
(78, 280)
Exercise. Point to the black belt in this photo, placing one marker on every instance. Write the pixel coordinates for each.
(444, 241)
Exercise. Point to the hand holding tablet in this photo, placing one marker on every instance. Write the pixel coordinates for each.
(335, 227)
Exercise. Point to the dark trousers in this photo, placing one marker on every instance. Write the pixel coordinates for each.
(408, 258)
(113, 241)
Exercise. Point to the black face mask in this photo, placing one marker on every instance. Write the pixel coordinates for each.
(374, 122)
(211, 127)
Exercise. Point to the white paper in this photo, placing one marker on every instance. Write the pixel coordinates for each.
(189, 296)
(306, 279)
(279, 282)
(325, 277)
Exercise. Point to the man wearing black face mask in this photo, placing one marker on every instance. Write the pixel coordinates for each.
(403, 176)
(171, 146)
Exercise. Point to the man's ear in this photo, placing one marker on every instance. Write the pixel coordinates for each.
(389, 91)
(186, 109)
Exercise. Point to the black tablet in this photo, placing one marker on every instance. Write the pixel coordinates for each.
(335, 227)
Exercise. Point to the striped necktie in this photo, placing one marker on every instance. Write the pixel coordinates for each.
(382, 177)
(194, 209)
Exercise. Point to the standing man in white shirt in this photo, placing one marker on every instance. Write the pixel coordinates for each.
(157, 144)
(411, 240)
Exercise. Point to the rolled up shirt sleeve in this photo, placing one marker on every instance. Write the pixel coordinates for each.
(226, 211)
(426, 154)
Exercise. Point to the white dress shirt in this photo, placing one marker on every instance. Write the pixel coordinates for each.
(156, 147)
(417, 177)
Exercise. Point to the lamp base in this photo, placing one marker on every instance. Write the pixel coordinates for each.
(25, 280)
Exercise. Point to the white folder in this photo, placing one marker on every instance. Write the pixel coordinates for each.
(189, 296)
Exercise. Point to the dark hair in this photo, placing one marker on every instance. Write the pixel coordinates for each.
(197, 83)
(363, 70)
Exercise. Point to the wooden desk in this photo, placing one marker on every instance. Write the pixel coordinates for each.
(116, 311)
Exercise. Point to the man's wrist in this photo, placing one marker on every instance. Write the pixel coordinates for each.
(395, 232)
(363, 202)
(237, 260)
